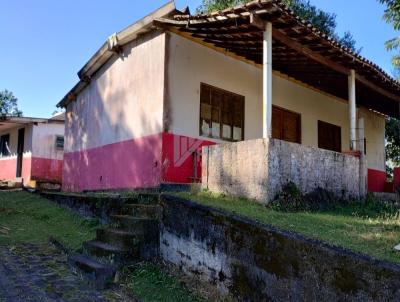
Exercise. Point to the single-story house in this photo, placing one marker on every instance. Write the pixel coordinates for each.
(171, 83)
(31, 149)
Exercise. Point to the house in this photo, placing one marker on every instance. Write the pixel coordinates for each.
(155, 93)
(31, 149)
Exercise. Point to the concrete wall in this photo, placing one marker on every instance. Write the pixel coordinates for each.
(114, 129)
(256, 262)
(190, 64)
(258, 169)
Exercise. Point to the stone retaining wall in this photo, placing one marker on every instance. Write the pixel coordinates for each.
(258, 169)
(257, 262)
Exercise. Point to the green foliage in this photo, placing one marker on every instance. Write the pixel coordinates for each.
(324, 21)
(29, 218)
(8, 104)
(369, 227)
(392, 143)
(150, 284)
(392, 16)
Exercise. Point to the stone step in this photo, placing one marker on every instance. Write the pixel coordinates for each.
(99, 274)
(142, 211)
(108, 253)
(142, 198)
(119, 238)
(138, 226)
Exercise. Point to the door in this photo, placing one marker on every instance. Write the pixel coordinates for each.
(20, 151)
(286, 125)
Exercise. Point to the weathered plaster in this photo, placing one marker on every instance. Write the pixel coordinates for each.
(257, 262)
(258, 169)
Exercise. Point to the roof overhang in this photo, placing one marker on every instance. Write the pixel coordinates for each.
(10, 122)
(113, 46)
(300, 51)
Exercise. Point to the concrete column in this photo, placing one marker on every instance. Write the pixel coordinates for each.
(267, 81)
(352, 110)
(363, 160)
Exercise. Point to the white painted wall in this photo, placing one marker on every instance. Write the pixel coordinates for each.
(375, 135)
(13, 132)
(44, 140)
(124, 99)
(190, 63)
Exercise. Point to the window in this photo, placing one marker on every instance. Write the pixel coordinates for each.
(286, 125)
(59, 142)
(329, 137)
(221, 114)
(4, 145)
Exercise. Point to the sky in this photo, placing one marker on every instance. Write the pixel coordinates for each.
(44, 43)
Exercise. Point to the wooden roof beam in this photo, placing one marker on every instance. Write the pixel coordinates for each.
(255, 20)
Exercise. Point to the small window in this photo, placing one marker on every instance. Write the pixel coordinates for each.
(221, 114)
(60, 142)
(5, 145)
(329, 137)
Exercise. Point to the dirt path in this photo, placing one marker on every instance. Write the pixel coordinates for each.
(40, 273)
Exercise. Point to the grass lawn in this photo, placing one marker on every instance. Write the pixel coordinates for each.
(29, 218)
(151, 284)
(371, 229)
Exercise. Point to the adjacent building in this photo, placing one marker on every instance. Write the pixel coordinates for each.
(31, 149)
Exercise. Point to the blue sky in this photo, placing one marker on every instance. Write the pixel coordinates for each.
(45, 42)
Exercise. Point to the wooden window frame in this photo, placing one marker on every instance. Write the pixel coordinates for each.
(298, 122)
(220, 137)
(340, 136)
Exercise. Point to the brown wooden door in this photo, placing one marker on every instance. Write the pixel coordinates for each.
(286, 125)
(329, 137)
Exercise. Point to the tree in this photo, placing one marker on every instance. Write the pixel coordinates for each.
(325, 22)
(8, 104)
(392, 143)
(392, 15)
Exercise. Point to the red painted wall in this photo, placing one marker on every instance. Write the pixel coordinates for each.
(396, 178)
(178, 158)
(45, 169)
(129, 164)
(8, 169)
(376, 180)
(138, 163)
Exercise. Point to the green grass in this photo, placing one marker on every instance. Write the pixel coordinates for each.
(29, 218)
(150, 284)
(372, 229)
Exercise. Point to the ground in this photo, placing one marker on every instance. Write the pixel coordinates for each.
(39, 273)
(31, 269)
(369, 227)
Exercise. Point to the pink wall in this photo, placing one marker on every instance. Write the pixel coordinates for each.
(45, 169)
(129, 164)
(137, 163)
(8, 169)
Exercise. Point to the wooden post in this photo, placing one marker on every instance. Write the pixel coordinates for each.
(352, 110)
(267, 81)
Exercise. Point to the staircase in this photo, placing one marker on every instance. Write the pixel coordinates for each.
(132, 235)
